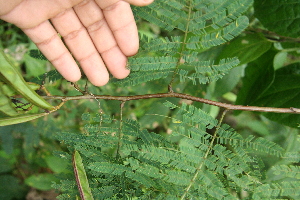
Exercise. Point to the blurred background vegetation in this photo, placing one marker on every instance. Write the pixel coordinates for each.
(27, 164)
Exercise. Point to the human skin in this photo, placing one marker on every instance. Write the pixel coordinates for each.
(98, 34)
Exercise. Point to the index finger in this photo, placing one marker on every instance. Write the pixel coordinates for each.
(48, 41)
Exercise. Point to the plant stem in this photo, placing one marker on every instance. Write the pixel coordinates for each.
(120, 128)
(183, 45)
(274, 36)
(205, 157)
(178, 95)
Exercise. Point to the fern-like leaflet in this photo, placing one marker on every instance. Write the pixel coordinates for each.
(206, 164)
(203, 24)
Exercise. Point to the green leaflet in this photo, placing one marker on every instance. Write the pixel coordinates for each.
(273, 190)
(136, 78)
(152, 63)
(20, 119)
(51, 76)
(81, 179)
(35, 53)
(11, 76)
(287, 171)
(218, 37)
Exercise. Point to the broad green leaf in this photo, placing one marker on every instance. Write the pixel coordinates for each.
(280, 16)
(246, 48)
(81, 178)
(259, 75)
(11, 76)
(34, 67)
(5, 104)
(41, 181)
(280, 59)
(292, 47)
(284, 92)
(20, 119)
(56, 164)
(10, 91)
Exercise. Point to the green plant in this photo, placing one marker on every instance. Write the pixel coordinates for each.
(155, 135)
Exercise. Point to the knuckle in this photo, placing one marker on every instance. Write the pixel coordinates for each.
(87, 57)
(73, 34)
(113, 6)
(96, 25)
(83, 3)
(47, 41)
(59, 57)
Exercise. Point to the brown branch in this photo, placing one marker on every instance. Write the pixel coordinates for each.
(178, 95)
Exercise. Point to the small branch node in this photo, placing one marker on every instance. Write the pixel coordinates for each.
(78, 88)
(295, 110)
(170, 89)
(43, 88)
(122, 104)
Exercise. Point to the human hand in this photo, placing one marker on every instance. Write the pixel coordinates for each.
(100, 34)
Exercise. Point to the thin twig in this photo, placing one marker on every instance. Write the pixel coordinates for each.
(198, 169)
(183, 44)
(182, 96)
(120, 128)
(274, 36)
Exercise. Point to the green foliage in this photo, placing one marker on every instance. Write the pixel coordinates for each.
(247, 48)
(126, 161)
(285, 23)
(11, 189)
(34, 53)
(285, 84)
(41, 181)
(10, 35)
(178, 55)
(51, 76)
(278, 88)
(257, 79)
(168, 148)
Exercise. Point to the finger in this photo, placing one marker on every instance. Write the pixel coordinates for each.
(82, 47)
(7, 6)
(92, 18)
(120, 19)
(47, 40)
(139, 2)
